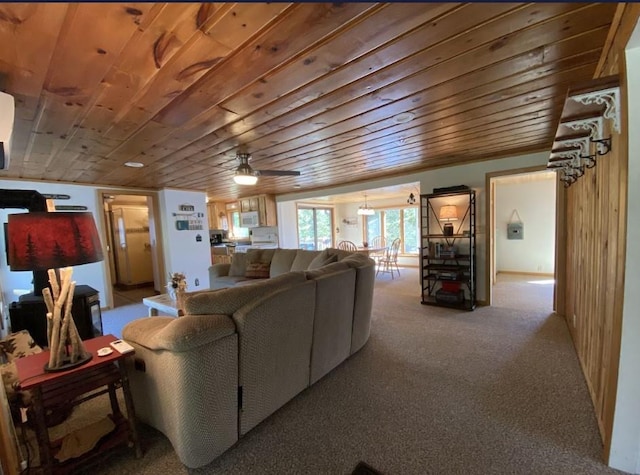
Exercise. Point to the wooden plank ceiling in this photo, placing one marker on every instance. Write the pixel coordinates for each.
(307, 86)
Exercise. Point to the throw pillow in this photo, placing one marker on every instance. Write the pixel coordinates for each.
(257, 270)
(303, 259)
(19, 344)
(322, 260)
(238, 264)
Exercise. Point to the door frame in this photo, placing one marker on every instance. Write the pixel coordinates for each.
(155, 217)
(315, 206)
(559, 214)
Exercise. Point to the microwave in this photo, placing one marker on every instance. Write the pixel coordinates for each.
(250, 219)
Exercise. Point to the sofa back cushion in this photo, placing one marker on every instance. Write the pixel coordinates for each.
(328, 269)
(339, 252)
(282, 261)
(227, 301)
(303, 259)
(322, 259)
(357, 260)
(238, 264)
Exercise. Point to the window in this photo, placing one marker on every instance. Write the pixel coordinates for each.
(315, 228)
(236, 229)
(395, 223)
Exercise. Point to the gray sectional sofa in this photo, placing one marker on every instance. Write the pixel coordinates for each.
(248, 346)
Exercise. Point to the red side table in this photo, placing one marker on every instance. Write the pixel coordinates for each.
(100, 375)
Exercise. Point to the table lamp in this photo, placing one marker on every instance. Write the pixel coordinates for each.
(54, 241)
(448, 213)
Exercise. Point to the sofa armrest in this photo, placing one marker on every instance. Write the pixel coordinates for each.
(178, 334)
(219, 270)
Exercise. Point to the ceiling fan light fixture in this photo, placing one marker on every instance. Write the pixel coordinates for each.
(244, 174)
(244, 179)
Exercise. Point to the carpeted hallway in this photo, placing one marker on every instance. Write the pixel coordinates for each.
(434, 391)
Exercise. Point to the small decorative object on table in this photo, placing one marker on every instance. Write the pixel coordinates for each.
(365, 244)
(177, 284)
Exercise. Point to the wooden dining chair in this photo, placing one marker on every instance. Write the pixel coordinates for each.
(347, 246)
(390, 259)
(378, 242)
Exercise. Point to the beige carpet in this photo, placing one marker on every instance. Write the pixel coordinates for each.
(122, 297)
(434, 391)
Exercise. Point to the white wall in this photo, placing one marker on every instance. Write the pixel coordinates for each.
(625, 440)
(182, 250)
(348, 232)
(535, 201)
(92, 274)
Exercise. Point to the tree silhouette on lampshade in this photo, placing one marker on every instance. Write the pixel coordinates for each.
(54, 242)
(42, 241)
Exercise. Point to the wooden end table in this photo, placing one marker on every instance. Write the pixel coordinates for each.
(79, 384)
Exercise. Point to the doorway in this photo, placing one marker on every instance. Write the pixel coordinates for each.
(521, 229)
(132, 250)
(315, 227)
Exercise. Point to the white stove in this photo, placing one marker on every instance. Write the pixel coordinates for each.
(264, 237)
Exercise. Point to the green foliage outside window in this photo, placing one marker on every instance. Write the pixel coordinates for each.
(314, 228)
(397, 223)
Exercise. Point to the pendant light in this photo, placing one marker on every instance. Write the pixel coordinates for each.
(365, 210)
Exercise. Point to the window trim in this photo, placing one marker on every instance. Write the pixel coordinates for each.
(314, 207)
(402, 252)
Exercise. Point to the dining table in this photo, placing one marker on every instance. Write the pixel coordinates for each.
(367, 251)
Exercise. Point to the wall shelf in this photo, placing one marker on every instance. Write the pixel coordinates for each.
(583, 135)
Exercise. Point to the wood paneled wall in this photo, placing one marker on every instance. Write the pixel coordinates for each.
(595, 247)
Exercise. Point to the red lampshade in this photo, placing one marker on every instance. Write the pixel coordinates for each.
(41, 240)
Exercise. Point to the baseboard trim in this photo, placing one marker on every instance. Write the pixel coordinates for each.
(537, 274)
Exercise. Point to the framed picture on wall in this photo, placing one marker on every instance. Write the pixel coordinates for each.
(350, 222)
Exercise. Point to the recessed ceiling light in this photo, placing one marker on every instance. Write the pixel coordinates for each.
(403, 118)
(134, 164)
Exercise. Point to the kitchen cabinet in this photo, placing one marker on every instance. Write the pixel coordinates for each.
(448, 248)
(216, 212)
(265, 205)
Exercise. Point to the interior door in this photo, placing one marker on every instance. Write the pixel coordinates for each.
(119, 239)
(133, 248)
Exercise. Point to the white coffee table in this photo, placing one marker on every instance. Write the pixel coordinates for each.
(162, 303)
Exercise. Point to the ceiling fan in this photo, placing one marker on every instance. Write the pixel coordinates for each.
(245, 175)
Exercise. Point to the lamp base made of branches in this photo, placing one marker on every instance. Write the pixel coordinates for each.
(66, 349)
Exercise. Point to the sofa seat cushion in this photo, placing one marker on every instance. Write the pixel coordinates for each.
(227, 301)
(227, 281)
(248, 282)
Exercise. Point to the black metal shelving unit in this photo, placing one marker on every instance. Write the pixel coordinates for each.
(448, 262)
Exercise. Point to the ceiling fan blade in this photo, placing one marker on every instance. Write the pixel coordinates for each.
(277, 173)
